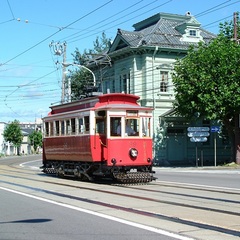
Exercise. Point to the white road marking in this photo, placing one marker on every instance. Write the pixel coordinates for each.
(138, 225)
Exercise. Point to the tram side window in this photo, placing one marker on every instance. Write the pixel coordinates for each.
(81, 126)
(51, 129)
(86, 123)
(68, 128)
(73, 125)
(57, 128)
(100, 125)
(146, 127)
(115, 122)
(62, 127)
(47, 128)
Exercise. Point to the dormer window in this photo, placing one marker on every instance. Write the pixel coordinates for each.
(192, 33)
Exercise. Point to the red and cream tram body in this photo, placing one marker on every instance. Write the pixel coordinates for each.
(109, 135)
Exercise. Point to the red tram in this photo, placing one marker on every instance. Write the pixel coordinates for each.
(105, 136)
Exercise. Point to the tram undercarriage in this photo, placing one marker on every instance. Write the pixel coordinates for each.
(88, 171)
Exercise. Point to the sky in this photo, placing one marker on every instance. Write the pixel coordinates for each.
(31, 31)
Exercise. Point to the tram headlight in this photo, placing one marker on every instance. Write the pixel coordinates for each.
(133, 152)
(113, 161)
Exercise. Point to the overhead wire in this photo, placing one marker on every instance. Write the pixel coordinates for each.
(104, 20)
(43, 40)
(216, 8)
(51, 35)
(99, 31)
(206, 12)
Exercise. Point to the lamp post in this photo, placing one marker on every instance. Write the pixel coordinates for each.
(81, 66)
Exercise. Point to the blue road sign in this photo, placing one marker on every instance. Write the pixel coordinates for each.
(198, 139)
(215, 129)
(198, 134)
(198, 129)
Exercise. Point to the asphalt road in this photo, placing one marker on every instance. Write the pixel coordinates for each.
(23, 217)
(222, 177)
(27, 216)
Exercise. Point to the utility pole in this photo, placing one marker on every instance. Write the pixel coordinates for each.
(237, 123)
(60, 49)
(235, 37)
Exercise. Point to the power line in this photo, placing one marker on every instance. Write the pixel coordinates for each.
(104, 20)
(99, 31)
(96, 9)
(11, 9)
(216, 8)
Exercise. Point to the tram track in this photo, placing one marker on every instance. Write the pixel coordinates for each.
(145, 198)
(148, 194)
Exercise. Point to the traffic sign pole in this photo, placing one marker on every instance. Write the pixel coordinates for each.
(198, 134)
(215, 149)
(196, 155)
(215, 130)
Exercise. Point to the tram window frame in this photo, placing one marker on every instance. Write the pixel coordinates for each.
(63, 127)
(51, 128)
(57, 127)
(80, 125)
(114, 123)
(100, 127)
(134, 124)
(73, 125)
(68, 127)
(87, 123)
(146, 127)
(46, 129)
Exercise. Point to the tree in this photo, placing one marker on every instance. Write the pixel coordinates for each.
(207, 82)
(13, 134)
(36, 139)
(81, 79)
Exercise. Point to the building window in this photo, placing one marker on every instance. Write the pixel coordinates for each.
(193, 33)
(163, 81)
(125, 83)
(113, 86)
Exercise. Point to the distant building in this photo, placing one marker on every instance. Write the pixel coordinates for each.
(27, 128)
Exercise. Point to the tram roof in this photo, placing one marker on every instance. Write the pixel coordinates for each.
(104, 101)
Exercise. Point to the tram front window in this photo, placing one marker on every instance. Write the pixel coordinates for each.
(114, 123)
(130, 126)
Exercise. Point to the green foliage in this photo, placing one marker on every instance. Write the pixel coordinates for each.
(13, 133)
(36, 139)
(207, 82)
(82, 79)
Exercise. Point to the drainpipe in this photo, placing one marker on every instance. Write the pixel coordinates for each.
(153, 97)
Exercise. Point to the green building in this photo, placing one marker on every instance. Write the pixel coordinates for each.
(141, 63)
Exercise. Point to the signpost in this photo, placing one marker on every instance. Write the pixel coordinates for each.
(215, 129)
(198, 134)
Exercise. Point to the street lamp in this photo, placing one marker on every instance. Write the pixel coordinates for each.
(81, 66)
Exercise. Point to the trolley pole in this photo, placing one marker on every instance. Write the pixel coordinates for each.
(63, 73)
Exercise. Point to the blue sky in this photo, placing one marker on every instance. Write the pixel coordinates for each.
(30, 81)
